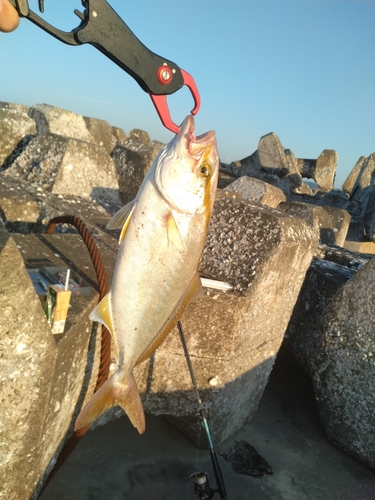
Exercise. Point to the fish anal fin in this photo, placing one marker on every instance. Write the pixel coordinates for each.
(193, 290)
(103, 314)
(115, 391)
(174, 235)
(122, 218)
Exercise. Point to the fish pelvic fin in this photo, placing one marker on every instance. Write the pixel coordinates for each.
(193, 291)
(173, 232)
(103, 314)
(122, 219)
(116, 390)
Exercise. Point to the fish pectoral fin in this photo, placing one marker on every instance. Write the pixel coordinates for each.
(122, 218)
(193, 290)
(115, 391)
(173, 233)
(103, 314)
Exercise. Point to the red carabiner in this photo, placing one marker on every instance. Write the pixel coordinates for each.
(161, 105)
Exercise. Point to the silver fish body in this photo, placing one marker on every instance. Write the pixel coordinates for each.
(162, 239)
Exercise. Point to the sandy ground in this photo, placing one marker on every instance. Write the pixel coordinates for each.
(114, 463)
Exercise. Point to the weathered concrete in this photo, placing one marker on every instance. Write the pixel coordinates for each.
(101, 132)
(353, 176)
(367, 247)
(340, 218)
(52, 205)
(322, 170)
(365, 169)
(334, 198)
(16, 205)
(119, 135)
(139, 135)
(274, 158)
(53, 120)
(16, 129)
(224, 178)
(360, 184)
(332, 334)
(233, 337)
(133, 158)
(316, 217)
(13, 105)
(276, 165)
(340, 223)
(251, 167)
(28, 355)
(65, 166)
(271, 154)
(41, 374)
(256, 190)
(325, 170)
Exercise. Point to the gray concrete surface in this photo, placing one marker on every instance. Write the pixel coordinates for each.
(113, 462)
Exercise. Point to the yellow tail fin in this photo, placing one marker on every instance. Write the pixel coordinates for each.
(115, 391)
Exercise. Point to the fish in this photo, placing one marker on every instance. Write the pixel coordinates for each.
(163, 232)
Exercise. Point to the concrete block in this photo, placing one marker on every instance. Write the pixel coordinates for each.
(321, 170)
(247, 166)
(365, 175)
(16, 129)
(16, 205)
(12, 105)
(119, 135)
(255, 190)
(316, 217)
(325, 169)
(133, 159)
(28, 356)
(332, 334)
(139, 135)
(340, 222)
(353, 176)
(53, 120)
(271, 154)
(361, 203)
(233, 337)
(360, 246)
(85, 170)
(63, 165)
(101, 132)
(334, 198)
(42, 374)
(251, 167)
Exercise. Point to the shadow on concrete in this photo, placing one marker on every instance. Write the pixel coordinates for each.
(115, 462)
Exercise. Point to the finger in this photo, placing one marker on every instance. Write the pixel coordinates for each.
(9, 19)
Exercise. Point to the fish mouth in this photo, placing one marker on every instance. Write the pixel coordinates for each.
(196, 145)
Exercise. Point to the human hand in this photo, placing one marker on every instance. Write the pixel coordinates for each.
(9, 19)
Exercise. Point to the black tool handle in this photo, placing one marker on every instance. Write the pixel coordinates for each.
(104, 29)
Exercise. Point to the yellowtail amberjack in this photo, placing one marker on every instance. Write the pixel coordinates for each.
(162, 239)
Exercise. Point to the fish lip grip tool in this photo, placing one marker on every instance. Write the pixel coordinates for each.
(103, 28)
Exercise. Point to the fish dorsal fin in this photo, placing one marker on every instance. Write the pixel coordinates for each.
(122, 218)
(173, 232)
(103, 314)
(193, 290)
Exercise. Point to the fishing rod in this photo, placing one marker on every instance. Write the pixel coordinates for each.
(201, 484)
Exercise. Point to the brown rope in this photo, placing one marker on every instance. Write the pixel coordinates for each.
(105, 351)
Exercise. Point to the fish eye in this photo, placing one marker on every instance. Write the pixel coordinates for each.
(205, 170)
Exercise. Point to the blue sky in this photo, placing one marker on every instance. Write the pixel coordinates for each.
(304, 69)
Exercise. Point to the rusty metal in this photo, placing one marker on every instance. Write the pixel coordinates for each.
(105, 350)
